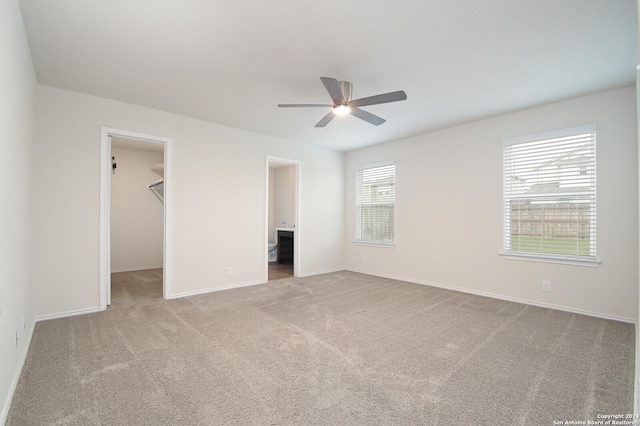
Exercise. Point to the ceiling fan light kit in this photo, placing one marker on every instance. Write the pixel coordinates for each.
(340, 92)
(341, 109)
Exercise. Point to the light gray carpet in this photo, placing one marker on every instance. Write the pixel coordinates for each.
(335, 349)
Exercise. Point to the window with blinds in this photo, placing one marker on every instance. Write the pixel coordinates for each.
(375, 203)
(550, 194)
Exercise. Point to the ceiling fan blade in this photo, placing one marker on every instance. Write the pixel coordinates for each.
(303, 105)
(379, 99)
(367, 116)
(332, 86)
(327, 118)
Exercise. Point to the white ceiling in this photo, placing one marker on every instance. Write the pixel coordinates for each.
(232, 62)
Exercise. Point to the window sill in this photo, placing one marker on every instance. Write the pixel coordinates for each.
(531, 257)
(374, 243)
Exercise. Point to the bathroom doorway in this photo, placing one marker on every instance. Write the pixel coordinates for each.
(282, 248)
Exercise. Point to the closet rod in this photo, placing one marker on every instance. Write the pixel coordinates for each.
(160, 182)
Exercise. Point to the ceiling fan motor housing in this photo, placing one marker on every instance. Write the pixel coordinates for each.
(347, 89)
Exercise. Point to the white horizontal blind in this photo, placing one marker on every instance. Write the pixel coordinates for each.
(550, 194)
(375, 203)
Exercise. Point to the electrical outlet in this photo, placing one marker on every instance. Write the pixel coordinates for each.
(546, 285)
(364, 259)
(229, 271)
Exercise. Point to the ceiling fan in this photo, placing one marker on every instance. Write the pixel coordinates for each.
(340, 92)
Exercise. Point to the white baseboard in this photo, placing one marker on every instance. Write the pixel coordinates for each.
(68, 314)
(135, 268)
(211, 290)
(248, 284)
(311, 274)
(501, 297)
(16, 376)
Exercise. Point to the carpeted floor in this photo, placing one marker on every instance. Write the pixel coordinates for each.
(334, 349)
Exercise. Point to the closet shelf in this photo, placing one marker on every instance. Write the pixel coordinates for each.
(157, 187)
(158, 169)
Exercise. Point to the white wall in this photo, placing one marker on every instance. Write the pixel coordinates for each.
(636, 399)
(17, 119)
(284, 207)
(449, 209)
(137, 215)
(218, 200)
(271, 221)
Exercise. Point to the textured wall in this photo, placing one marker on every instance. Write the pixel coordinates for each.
(137, 215)
(218, 208)
(17, 119)
(449, 209)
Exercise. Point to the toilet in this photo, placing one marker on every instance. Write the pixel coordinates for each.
(273, 252)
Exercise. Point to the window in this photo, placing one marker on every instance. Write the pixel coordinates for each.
(375, 203)
(550, 195)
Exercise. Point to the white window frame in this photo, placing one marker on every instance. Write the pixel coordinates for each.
(509, 195)
(358, 202)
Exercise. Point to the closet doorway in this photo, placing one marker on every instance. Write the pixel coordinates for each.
(283, 251)
(135, 198)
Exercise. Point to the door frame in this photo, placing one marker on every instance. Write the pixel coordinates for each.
(105, 209)
(297, 250)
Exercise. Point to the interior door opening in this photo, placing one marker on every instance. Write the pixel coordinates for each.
(282, 248)
(134, 229)
(137, 219)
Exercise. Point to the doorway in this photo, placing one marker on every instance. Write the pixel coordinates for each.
(283, 228)
(135, 199)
